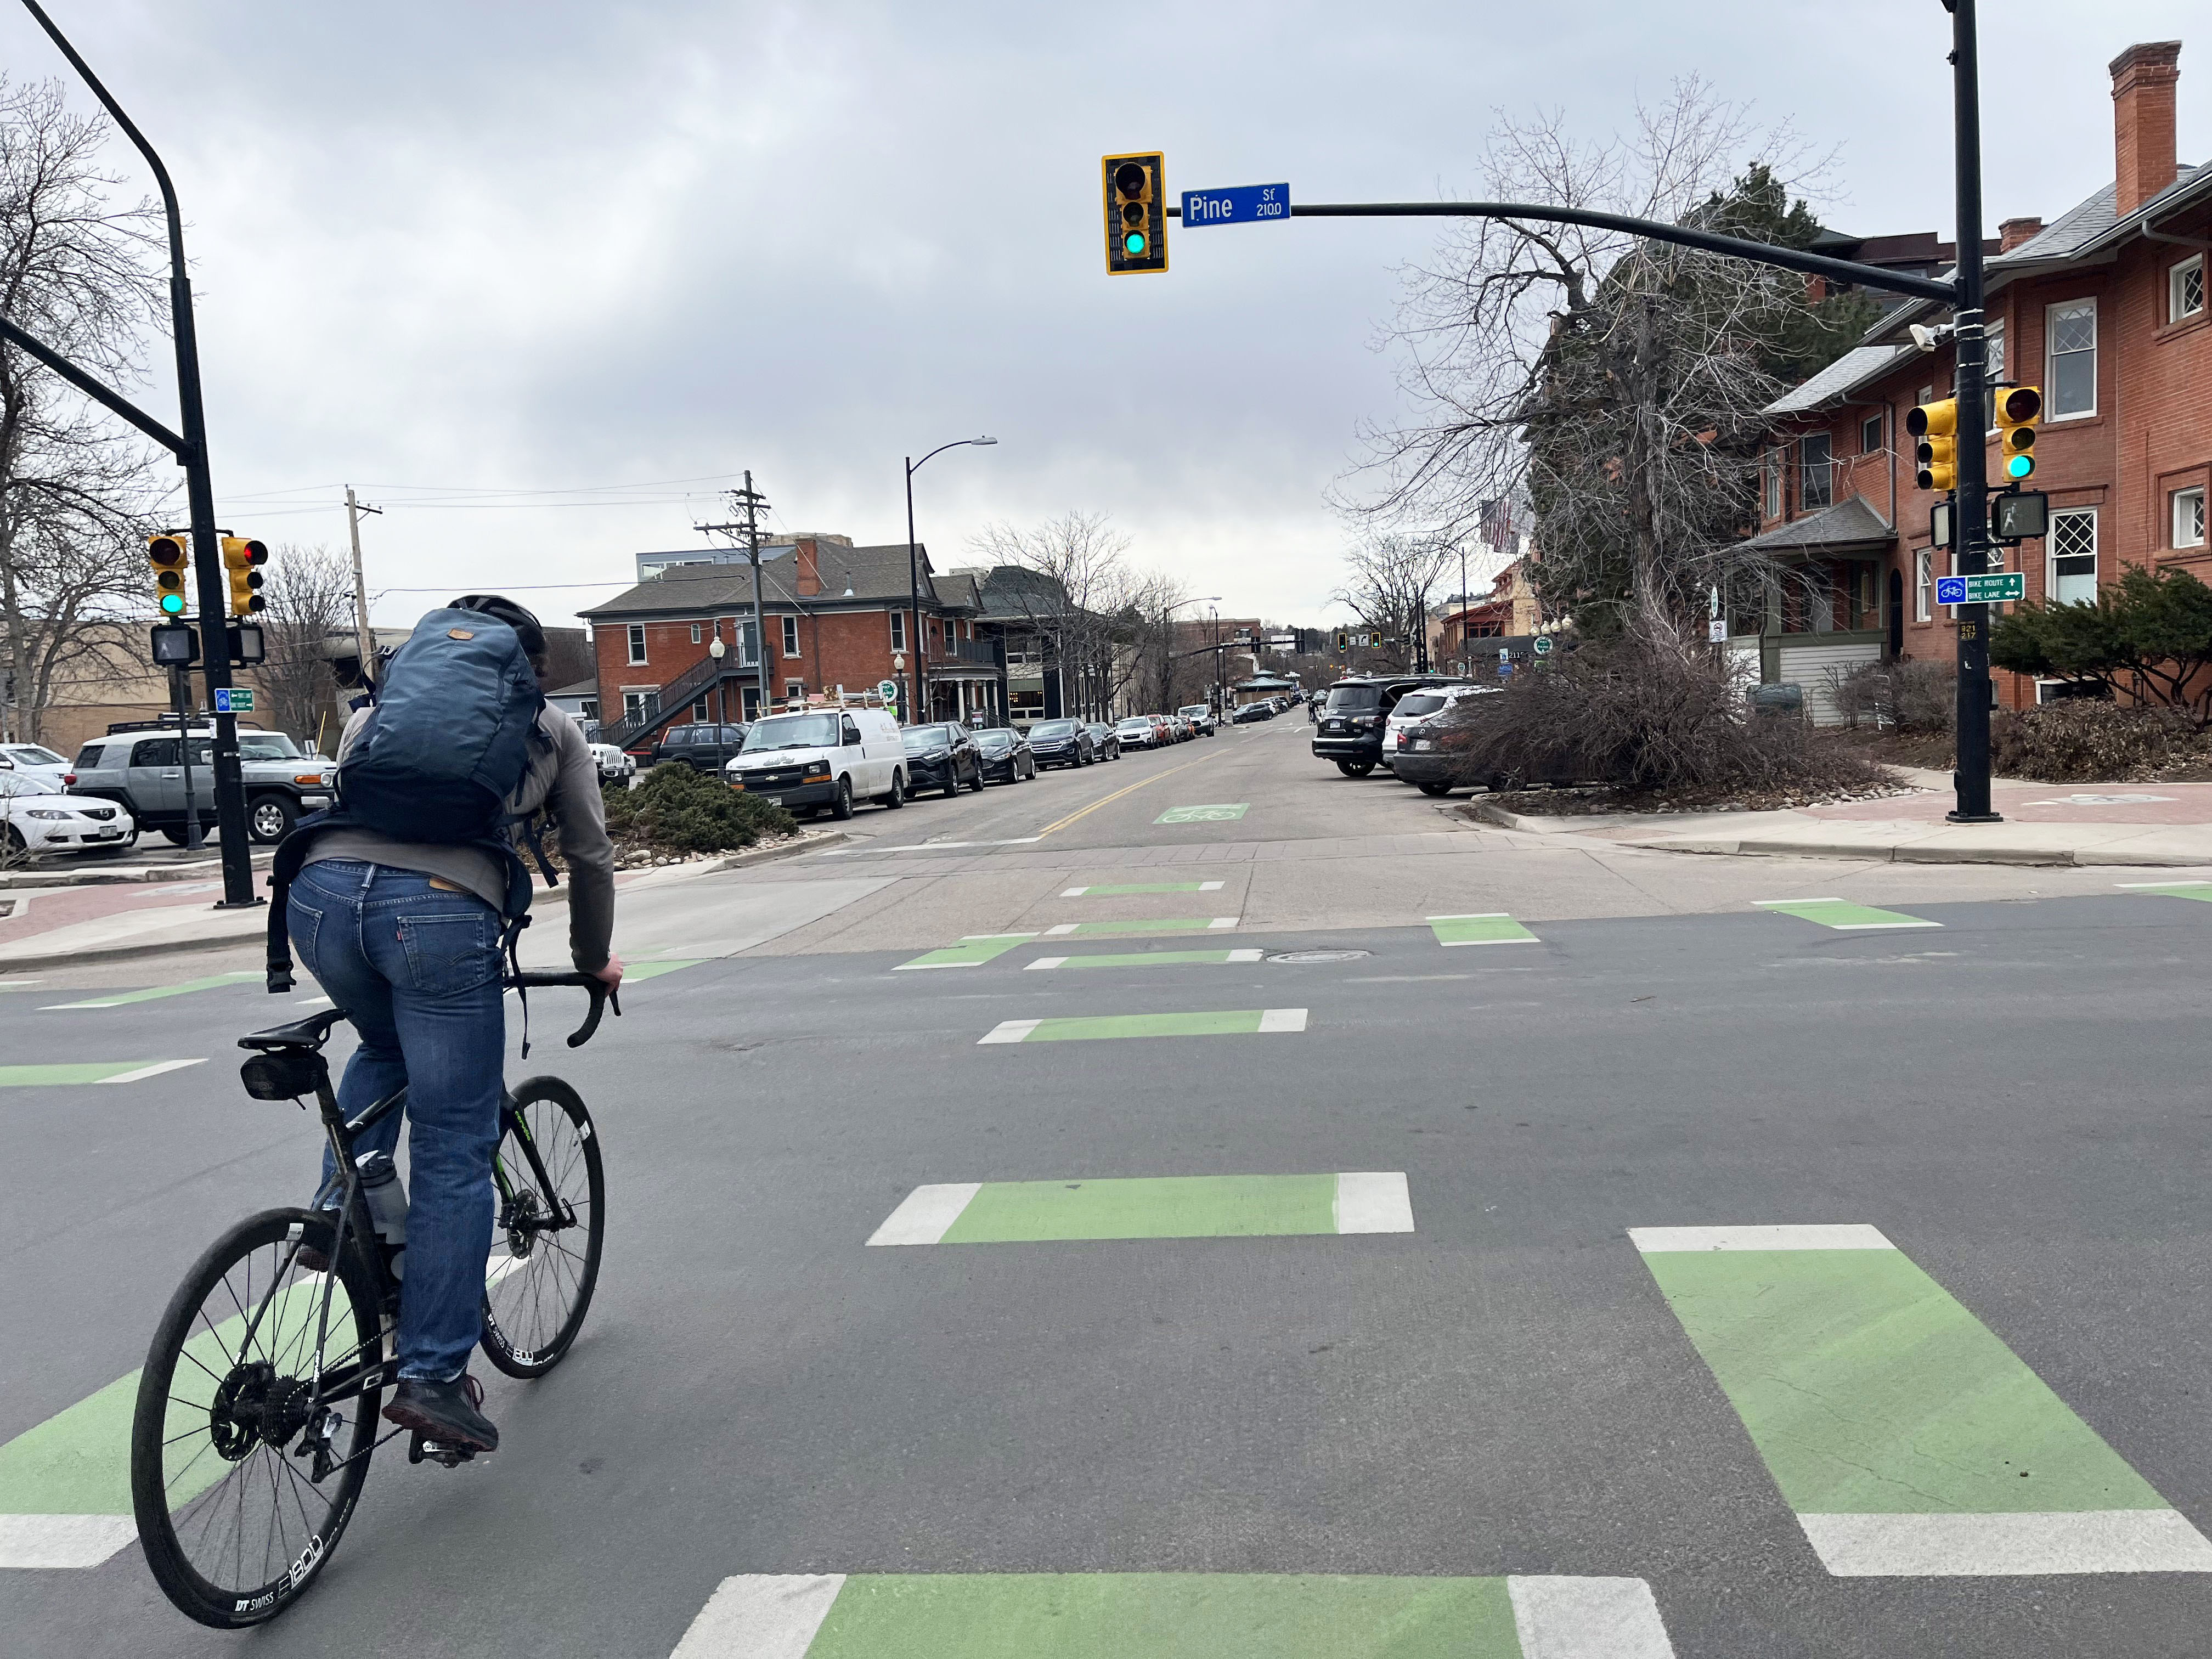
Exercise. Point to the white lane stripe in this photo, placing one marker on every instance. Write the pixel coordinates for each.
(145, 1072)
(2133, 885)
(1245, 956)
(984, 938)
(1562, 1618)
(1048, 961)
(500, 1266)
(1210, 886)
(52, 1542)
(1819, 901)
(1962, 1546)
(760, 1616)
(1061, 931)
(1373, 1201)
(1843, 1236)
(923, 1214)
(1282, 1020)
(1221, 922)
(1475, 915)
(1074, 892)
(1875, 926)
(1008, 1030)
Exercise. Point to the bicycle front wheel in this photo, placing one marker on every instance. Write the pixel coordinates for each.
(256, 1416)
(550, 1221)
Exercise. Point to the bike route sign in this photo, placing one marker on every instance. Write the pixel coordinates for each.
(1995, 588)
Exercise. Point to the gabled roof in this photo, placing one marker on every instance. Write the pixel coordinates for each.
(1850, 523)
(874, 575)
(581, 688)
(1839, 378)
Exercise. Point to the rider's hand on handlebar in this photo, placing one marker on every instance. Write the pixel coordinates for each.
(610, 975)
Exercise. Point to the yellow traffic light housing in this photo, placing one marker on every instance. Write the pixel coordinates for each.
(1136, 213)
(167, 556)
(1935, 455)
(242, 560)
(2018, 409)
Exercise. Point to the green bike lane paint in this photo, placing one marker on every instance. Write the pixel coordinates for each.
(1151, 1206)
(1144, 887)
(155, 992)
(1842, 914)
(1148, 959)
(2201, 890)
(637, 972)
(972, 952)
(90, 1070)
(1174, 1615)
(1907, 1437)
(1493, 928)
(1232, 1021)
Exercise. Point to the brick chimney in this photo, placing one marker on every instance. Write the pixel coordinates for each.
(2013, 232)
(807, 554)
(2143, 78)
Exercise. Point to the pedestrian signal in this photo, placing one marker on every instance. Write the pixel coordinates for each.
(2019, 408)
(165, 554)
(1935, 452)
(1136, 213)
(241, 562)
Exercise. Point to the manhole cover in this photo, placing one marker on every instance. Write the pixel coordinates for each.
(1320, 956)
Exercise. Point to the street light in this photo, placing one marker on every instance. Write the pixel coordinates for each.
(914, 575)
(1168, 688)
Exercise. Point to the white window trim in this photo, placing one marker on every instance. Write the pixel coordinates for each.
(2175, 503)
(2051, 554)
(696, 627)
(2174, 273)
(790, 635)
(637, 654)
(898, 630)
(1881, 433)
(1924, 585)
(2096, 351)
(1805, 503)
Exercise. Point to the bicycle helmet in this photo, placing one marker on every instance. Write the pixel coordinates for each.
(502, 609)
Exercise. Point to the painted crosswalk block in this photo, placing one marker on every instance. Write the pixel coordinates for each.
(1156, 1206)
(1146, 959)
(1496, 928)
(1232, 1021)
(1203, 814)
(1843, 915)
(117, 999)
(89, 1071)
(972, 952)
(1156, 925)
(1908, 1439)
(1173, 1615)
(1142, 887)
(2188, 889)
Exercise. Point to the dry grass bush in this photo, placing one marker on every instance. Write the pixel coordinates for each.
(1906, 696)
(2084, 740)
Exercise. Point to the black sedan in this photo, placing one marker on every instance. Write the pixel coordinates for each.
(1062, 742)
(941, 757)
(1006, 757)
(1103, 740)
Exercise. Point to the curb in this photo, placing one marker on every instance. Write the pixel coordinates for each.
(103, 875)
(2082, 858)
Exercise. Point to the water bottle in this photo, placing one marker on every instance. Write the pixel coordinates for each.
(387, 1206)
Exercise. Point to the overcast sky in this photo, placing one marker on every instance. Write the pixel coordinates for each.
(559, 248)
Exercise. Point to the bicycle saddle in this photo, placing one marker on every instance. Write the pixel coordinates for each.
(309, 1033)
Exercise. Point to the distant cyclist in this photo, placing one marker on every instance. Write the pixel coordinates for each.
(405, 934)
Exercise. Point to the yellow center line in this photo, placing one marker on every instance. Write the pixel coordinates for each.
(1104, 799)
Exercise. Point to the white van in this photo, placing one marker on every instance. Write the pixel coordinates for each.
(826, 757)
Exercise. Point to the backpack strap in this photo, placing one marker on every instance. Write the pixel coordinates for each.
(283, 868)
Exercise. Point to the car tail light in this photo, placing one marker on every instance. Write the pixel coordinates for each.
(69, 779)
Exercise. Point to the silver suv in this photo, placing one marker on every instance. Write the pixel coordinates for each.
(143, 771)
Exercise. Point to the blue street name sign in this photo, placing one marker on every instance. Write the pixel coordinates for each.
(1239, 204)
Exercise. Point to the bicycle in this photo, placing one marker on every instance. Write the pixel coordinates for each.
(258, 1359)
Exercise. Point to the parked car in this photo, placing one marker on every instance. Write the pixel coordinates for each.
(1006, 756)
(1349, 731)
(37, 816)
(1251, 714)
(700, 745)
(34, 760)
(1104, 739)
(1435, 757)
(942, 756)
(1202, 720)
(1062, 742)
(613, 762)
(1137, 731)
(1418, 705)
(141, 771)
(827, 759)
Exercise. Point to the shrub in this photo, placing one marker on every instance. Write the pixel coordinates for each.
(2083, 740)
(2147, 634)
(1908, 695)
(676, 810)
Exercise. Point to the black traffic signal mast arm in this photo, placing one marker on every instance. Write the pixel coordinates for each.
(190, 451)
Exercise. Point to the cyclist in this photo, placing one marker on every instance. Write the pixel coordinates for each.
(405, 937)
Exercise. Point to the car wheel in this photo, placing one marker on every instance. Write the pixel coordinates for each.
(174, 835)
(897, 796)
(1434, 788)
(952, 786)
(270, 818)
(841, 807)
(13, 842)
(1355, 769)
(978, 785)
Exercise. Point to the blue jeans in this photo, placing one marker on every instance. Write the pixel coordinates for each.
(417, 969)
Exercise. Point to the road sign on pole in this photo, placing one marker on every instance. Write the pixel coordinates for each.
(1542, 646)
(887, 689)
(1999, 588)
(1239, 204)
(233, 699)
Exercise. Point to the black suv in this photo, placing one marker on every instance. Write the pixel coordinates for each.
(1349, 727)
(701, 745)
(942, 756)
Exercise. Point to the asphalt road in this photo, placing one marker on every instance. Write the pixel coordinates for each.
(2012, 1097)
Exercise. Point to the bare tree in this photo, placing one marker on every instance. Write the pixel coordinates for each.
(1388, 582)
(1078, 610)
(81, 275)
(309, 596)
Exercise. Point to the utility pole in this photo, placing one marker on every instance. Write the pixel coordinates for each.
(364, 643)
(751, 504)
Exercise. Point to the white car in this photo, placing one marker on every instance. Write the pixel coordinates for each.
(1416, 706)
(39, 816)
(1137, 731)
(613, 761)
(38, 762)
(1202, 719)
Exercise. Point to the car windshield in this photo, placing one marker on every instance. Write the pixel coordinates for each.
(29, 754)
(793, 732)
(1354, 699)
(1196, 711)
(1052, 729)
(995, 741)
(1134, 723)
(920, 736)
(266, 745)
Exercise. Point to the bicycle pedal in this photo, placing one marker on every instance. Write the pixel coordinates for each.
(419, 1449)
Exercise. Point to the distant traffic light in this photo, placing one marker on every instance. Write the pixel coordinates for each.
(1136, 213)
(1342, 640)
(2019, 408)
(165, 554)
(1935, 455)
(242, 560)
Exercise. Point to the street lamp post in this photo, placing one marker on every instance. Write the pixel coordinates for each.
(1167, 645)
(914, 575)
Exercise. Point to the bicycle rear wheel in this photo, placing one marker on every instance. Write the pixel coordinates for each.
(256, 1414)
(552, 1219)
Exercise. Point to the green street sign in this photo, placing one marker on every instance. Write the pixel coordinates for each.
(1542, 646)
(1996, 588)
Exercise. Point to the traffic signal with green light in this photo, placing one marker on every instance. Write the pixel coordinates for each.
(2018, 408)
(1936, 453)
(1136, 213)
(165, 554)
(242, 560)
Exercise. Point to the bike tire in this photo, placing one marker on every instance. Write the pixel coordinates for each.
(532, 1311)
(181, 1524)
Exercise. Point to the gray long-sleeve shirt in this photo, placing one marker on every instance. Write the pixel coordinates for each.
(563, 781)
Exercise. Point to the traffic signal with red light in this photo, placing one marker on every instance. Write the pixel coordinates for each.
(242, 560)
(1136, 213)
(2018, 409)
(165, 554)
(1935, 452)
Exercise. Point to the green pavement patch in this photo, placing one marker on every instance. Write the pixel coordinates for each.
(1146, 959)
(1232, 1022)
(1159, 1207)
(1496, 928)
(2201, 890)
(1843, 915)
(639, 971)
(1142, 887)
(972, 952)
(88, 1070)
(1203, 814)
(118, 999)
(1906, 1435)
(1155, 925)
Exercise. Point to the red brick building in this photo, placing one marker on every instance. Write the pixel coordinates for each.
(2104, 309)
